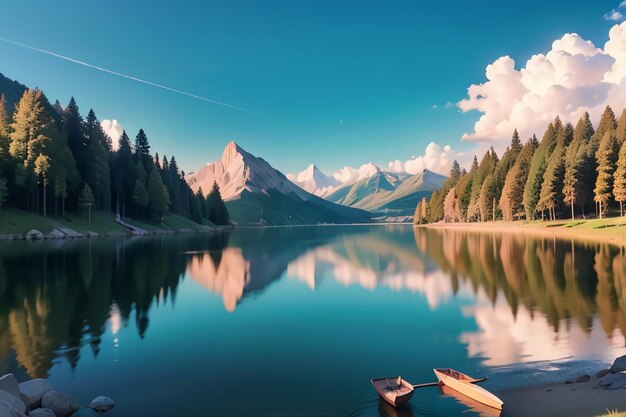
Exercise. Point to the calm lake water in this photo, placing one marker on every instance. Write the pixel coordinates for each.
(296, 321)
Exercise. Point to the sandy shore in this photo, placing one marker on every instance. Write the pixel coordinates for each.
(611, 230)
(584, 399)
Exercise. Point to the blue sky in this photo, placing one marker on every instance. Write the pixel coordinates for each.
(331, 82)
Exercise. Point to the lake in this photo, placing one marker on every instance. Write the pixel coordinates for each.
(296, 321)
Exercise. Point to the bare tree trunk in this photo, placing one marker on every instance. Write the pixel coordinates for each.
(44, 198)
(621, 208)
(572, 210)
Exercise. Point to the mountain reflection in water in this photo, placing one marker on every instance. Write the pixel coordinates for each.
(530, 298)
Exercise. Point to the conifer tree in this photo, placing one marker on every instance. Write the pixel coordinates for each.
(218, 213)
(606, 157)
(538, 165)
(41, 169)
(97, 169)
(4, 191)
(142, 147)
(486, 167)
(86, 199)
(159, 199)
(141, 198)
(619, 178)
(511, 200)
(4, 134)
(73, 126)
(551, 189)
(575, 188)
(417, 216)
(590, 166)
(620, 133)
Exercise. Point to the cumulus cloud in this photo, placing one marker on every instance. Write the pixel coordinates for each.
(573, 77)
(113, 129)
(435, 158)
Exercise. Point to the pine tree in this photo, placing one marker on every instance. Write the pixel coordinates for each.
(141, 198)
(590, 166)
(606, 157)
(538, 165)
(60, 191)
(620, 133)
(486, 167)
(552, 186)
(97, 169)
(142, 147)
(41, 169)
(511, 200)
(575, 188)
(218, 213)
(73, 126)
(417, 216)
(124, 175)
(4, 135)
(4, 191)
(86, 199)
(159, 200)
(619, 184)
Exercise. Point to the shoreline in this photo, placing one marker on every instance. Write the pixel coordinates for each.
(611, 230)
(583, 399)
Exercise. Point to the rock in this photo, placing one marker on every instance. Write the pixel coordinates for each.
(32, 391)
(42, 412)
(8, 383)
(56, 234)
(101, 404)
(583, 378)
(12, 401)
(602, 373)
(8, 411)
(85, 412)
(62, 405)
(619, 365)
(569, 382)
(613, 380)
(34, 234)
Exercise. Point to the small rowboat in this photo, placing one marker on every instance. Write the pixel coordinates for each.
(464, 384)
(395, 391)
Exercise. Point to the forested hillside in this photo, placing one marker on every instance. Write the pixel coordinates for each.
(571, 172)
(53, 160)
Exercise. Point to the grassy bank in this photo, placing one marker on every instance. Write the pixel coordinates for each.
(14, 221)
(607, 230)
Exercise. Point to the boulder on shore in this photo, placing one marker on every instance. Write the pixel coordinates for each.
(101, 404)
(583, 378)
(602, 373)
(12, 401)
(619, 365)
(34, 234)
(62, 405)
(8, 411)
(85, 412)
(9, 384)
(32, 391)
(56, 234)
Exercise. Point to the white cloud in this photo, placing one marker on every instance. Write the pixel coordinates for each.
(573, 77)
(448, 105)
(113, 129)
(614, 15)
(434, 107)
(435, 158)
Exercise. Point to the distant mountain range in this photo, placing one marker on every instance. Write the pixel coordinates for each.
(256, 193)
(386, 194)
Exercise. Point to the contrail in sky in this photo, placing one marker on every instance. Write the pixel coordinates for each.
(119, 74)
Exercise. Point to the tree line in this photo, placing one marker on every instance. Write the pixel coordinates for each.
(68, 164)
(571, 172)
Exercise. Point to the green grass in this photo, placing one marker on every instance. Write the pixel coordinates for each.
(13, 221)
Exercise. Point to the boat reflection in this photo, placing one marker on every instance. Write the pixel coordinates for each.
(387, 410)
(474, 406)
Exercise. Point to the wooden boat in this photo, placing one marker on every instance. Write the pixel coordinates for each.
(464, 384)
(395, 391)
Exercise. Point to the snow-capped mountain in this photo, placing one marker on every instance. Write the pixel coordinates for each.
(314, 181)
(255, 192)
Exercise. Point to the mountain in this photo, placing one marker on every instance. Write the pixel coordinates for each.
(314, 181)
(389, 194)
(256, 193)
